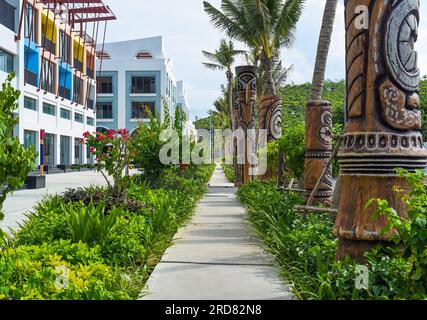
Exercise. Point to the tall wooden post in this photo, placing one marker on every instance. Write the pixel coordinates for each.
(383, 118)
(244, 107)
(270, 116)
(318, 146)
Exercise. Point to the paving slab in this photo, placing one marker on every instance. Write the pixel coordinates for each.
(215, 257)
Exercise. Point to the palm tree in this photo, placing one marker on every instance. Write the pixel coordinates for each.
(323, 49)
(319, 78)
(265, 26)
(280, 73)
(223, 59)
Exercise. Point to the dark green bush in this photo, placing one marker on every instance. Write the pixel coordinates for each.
(305, 248)
(109, 245)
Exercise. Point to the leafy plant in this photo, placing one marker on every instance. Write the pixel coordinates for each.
(292, 143)
(113, 154)
(411, 232)
(16, 162)
(89, 224)
(305, 249)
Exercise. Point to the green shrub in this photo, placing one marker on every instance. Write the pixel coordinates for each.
(109, 245)
(411, 232)
(31, 272)
(228, 170)
(16, 162)
(306, 249)
(292, 144)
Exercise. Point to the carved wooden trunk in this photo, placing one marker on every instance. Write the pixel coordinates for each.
(270, 116)
(383, 117)
(318, 146)
(244, 107)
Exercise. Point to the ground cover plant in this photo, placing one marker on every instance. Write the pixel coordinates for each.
(305, 247)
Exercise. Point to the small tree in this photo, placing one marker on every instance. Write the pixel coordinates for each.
(113, 154)
(16, 162)
(146, 143)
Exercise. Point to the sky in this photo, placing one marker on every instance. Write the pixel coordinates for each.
(186, 31)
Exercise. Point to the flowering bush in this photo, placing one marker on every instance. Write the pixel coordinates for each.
(112, 153)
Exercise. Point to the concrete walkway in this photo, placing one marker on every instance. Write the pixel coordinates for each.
(20, 202)
(215, 257)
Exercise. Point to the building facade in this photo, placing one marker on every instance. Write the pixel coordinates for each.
(134, 75)
(55, 69)
(181, 99)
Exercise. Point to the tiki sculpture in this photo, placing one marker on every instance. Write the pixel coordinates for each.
(383, 117)
(270, 116)
(270, 119)
(318, 146)
(244, 107)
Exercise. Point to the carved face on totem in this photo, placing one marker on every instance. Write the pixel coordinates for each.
(245, 99)
(398, 90)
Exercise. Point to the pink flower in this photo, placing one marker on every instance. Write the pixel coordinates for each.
(91, 150)
(82, 141)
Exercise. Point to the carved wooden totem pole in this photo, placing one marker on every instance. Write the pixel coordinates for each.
(270, 116)
(270, 119)
(383, 117)
(244, 107)
(318, 146)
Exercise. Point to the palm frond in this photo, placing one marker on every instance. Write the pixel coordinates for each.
(224, 23)
(213, 66)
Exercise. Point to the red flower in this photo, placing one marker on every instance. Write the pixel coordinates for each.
(91, 150)
(100, 137)
(86, 134)
(82, 141)
(123, 132)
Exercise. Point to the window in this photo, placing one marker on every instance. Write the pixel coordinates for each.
(30, 104)
(143, 85)
(104, 110)
(7, 15)
(64, 46)
(90, 121)
(49, 109)
(48, 76)
(104, 85)
(143, 55)
(102, 55)
(30, 25)
(30, 139)
(78, 84)
(78, 117)
(6, 61)
(65, 114)
(139, 109)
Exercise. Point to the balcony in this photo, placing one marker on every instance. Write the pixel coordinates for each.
(30, 78)
(78, 65)
(90, 73)
(7, 15)
(48, 45)
(64, 92)
(90, 103)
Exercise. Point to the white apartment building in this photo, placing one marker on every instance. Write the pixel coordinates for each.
(135, 74)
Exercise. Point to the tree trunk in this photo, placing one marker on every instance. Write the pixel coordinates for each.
(323, 49)
(230, 97)
(270, 88)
